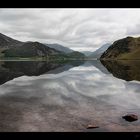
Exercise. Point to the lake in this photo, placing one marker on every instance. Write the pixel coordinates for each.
(61, 97)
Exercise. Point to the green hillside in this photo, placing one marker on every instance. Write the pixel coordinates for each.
(127, 48)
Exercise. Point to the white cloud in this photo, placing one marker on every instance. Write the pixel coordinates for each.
(79, 29)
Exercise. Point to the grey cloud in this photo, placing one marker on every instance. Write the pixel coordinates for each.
(74, 28)
(135, 30)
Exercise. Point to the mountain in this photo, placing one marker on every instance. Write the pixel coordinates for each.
(13, 48)
(126, 48)
(98, 52)
(87, 53)
(76, 54)
(60, 48)
(30, 49)
(8, 42)
(68, 53)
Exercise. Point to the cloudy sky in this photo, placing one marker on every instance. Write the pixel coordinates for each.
(78, 29)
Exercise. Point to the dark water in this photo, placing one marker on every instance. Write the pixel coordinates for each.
(50, 96)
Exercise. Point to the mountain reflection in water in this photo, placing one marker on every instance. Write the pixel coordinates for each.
(52, 96)
(124, 69)
(12, 69)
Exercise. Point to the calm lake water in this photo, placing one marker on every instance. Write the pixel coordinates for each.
(48, 96)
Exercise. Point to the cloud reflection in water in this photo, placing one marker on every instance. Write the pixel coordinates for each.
(69, 100)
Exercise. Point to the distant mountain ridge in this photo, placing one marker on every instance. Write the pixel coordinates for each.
(100, 51)
(87, 53)
(60, 48)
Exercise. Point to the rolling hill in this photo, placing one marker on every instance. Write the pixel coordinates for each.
(124, 49)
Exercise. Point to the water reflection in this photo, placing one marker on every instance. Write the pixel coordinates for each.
(65, 97)
(12, 69)
(124, 69)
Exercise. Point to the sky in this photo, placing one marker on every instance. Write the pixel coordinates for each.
(78, 29)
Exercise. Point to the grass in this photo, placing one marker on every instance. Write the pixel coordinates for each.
(129, 56)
